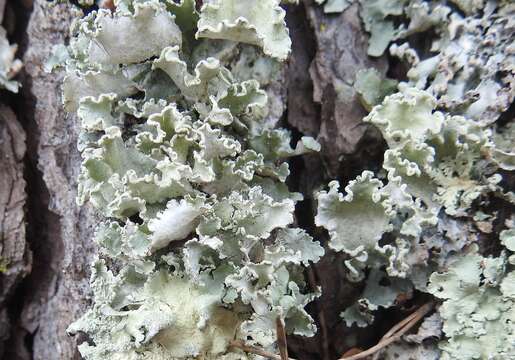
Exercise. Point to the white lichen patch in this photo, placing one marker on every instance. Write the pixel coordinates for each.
(183, 160)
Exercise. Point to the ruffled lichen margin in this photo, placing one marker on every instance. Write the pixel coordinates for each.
(432, 220)
(183, 159)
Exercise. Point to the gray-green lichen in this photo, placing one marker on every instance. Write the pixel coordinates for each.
(478, 307)
(438, 168)
(9, 65)
(421, 221)
(334, 6)
(372, 88)
(182, 158)
(468, 65)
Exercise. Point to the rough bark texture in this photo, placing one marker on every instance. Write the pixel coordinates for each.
(15, 257)
(56, 292)
(327, 52)
(341, 52)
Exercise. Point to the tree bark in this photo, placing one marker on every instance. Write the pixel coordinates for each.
(15, 257)
(59, 232)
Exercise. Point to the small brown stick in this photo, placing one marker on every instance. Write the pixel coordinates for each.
(281, 338)
(400, 325)
(395, 328)
(398, 330)
(323, 330)
(253, 350)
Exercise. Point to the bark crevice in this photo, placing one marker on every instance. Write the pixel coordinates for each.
(58, 232)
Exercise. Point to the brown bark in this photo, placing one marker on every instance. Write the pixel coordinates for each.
(341, 52)
(57, 290)
(15, 257)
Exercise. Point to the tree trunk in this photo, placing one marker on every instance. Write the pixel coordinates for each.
(56, 290)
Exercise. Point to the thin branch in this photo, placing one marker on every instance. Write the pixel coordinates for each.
(281, 338)
(399, 325)
(253, 350)
(323, 330)
(398, 330)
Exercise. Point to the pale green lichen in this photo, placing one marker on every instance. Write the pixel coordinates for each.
(182, 158)
(504, 151)
(445, 159)
(334, 6)
(344, 217)
(377, 19)
(436, 166)
(372, 87)
(9, 65)
(253, 22)
(132, 38)
(431, 164)
(478, 308)
(470, 70)
(469, 65)
(437, 156)
(163, 310)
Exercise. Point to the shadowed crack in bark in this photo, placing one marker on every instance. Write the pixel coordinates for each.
(59, 232)
(327, 51)
(15, 257)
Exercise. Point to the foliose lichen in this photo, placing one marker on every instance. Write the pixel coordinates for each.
(420, 223)
(183, 159)
(9, 65)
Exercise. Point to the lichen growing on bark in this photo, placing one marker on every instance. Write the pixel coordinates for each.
(182, 157)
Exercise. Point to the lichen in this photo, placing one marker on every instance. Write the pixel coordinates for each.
(448, 157)
(373, 88)
(182, 158)
(9, 65)
(478, 307)
(437, 167)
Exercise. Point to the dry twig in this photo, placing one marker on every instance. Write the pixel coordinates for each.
(281, 338)
(253, 350)
(395, 332)
(400, 325)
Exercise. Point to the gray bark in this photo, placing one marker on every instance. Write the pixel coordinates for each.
(60, 231)
(15, 257)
